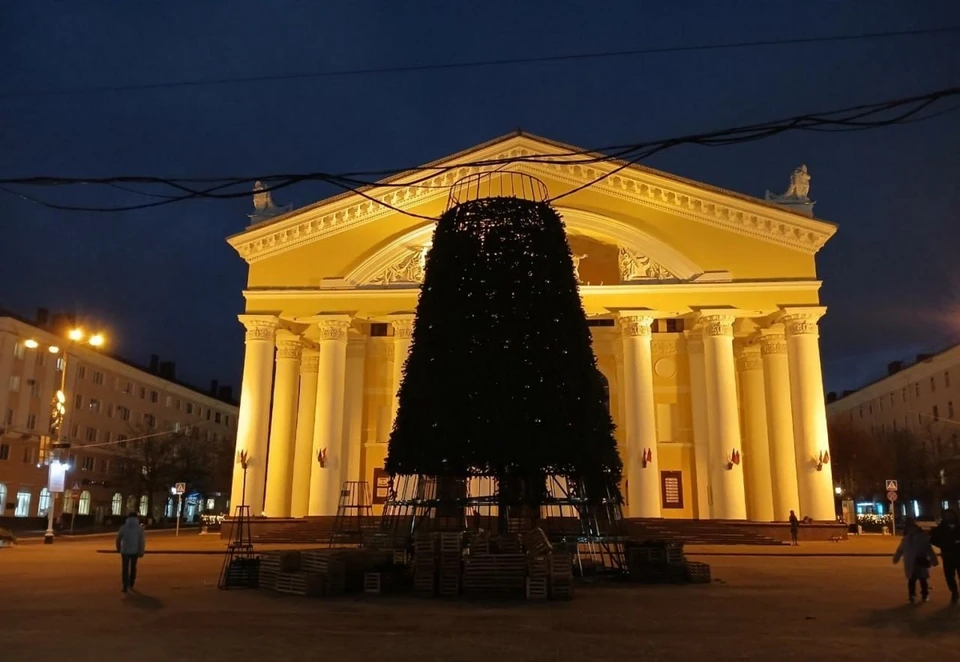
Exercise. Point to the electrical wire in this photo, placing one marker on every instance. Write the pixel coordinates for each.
(474, 64)
(854, 118)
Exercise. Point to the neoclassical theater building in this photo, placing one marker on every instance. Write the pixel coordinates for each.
(703, 306)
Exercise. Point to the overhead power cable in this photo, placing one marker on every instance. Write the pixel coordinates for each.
(860, 117)
(474, 64)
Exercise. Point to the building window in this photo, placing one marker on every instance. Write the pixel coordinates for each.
(144, 505)
(41, 359)
(98, 378)
(149, 420)
(43, 507)
(87, 464)
(143, 393)
(3, 498)
(31, 421)
(74, 430)
(82, 372)
(189, 407)
(23, 503)
(28, 455)
(168, 401)
(91, 434)
(916, 389)
(128, 388)
(176, 405)
(216, 417)
(116, 504)
(933, 385)
(936, 413)
(199, 411)
(84, 506)
(226, 419)
(4, 451)
(59, 364)
(154, 396)
(18, 350)
(950, 409)
(209, 411)
(14, 383)
(123, 413)
(176, 426)
(946, 378)
(674, 325)
(104, 466)
(904, 393)
(122, 440)
(68, 501)
(78, 401)
(871, 407)
(891, 399)
(35, 388)
(94, 405)
(880, 400)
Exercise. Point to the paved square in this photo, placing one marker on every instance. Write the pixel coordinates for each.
(63, 602)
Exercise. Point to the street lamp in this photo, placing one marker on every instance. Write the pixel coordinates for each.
(58, 416)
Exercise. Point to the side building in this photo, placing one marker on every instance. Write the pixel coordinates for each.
(118, 416)
(911, 414)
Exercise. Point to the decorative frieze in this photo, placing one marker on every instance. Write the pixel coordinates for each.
(637, 267)
(663, 347)
(409, 269)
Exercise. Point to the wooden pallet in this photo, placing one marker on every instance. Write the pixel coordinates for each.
(537, 589)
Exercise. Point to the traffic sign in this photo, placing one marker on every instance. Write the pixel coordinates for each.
(892, 496)
(181, 488)
(891, 486)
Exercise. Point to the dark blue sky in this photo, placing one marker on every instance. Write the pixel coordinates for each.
(165, 281)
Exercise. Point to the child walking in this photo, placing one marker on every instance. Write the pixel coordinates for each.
(918, 556)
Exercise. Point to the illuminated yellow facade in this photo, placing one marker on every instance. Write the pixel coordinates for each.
(703, 306)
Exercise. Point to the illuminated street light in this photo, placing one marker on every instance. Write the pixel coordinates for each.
(838, 490)
(96, 340)
(53, 349)
(30, 343)
(75, 335)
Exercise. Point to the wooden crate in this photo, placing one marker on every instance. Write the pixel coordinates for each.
(373, 583)
(698, 573)
(537, 589)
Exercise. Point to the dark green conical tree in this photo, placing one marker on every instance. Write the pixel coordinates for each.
(501, 379)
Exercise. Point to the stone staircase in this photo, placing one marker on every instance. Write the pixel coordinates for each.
(696, 532)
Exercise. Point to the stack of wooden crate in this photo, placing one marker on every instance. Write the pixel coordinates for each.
(424, 564)
(269, 570)
(538, 572)
(495, 575)
(448, 544)
(561, 575)
(329, 567)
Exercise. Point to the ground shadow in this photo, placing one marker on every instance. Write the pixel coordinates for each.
(142, 601)
(920, 619)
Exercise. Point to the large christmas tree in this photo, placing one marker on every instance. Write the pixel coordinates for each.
(501, 379)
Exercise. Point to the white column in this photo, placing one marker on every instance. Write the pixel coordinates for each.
(756, 447)
(726, 476)
(643, 477)
(253, 420)
(701, 428)
(402, 337)
(303, 457)
(328, 424)
(783, 457)
(283, 425)
(814, 479)
(353, 409)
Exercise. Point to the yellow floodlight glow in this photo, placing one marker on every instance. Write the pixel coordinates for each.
(30, 343)
(53, 349)
(61, 397)
(75, 334)
(96, 340)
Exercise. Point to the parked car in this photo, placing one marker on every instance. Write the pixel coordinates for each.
(927, 522)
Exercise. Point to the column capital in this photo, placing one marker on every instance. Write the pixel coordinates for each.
(714, 325)
(801, 320)
(259, 327)
(748, 357)
(772, 341)
(403, 327)
(634, 323)
(331, 327)
(289, 345)
(309, 360)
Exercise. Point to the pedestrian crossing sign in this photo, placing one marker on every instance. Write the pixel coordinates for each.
(891, 486)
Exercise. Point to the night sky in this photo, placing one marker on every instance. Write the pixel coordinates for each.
(164, 281)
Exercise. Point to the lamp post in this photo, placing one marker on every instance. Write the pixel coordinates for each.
(58, 416)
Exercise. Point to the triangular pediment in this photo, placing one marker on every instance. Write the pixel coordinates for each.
(640, 185)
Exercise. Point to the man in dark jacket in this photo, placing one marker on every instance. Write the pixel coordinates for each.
(946, 536)
(130, 546)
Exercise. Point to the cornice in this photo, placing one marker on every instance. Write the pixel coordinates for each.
(699, 202)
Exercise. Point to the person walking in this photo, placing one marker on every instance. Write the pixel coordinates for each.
(918, 556)
(946, 536)
(794, 529)
(131, 546)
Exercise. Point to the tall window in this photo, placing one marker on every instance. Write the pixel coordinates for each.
(98, 378)
(68, 502)
(946, 378)
(78, 401)
(933, 385)
(23, 503)
(144, 505)
(43, 507)
(116, 506)
(3, 498)
(936, 413)
(82, 372)
(94, 405)
(14, 383)
(904, 393)
(18, 350)
(4, 451)
(131, 503)
(950, 410)
(31, 421)
(84, 506)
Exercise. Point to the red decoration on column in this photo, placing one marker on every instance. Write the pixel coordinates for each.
(322, 458)
(646, 456)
